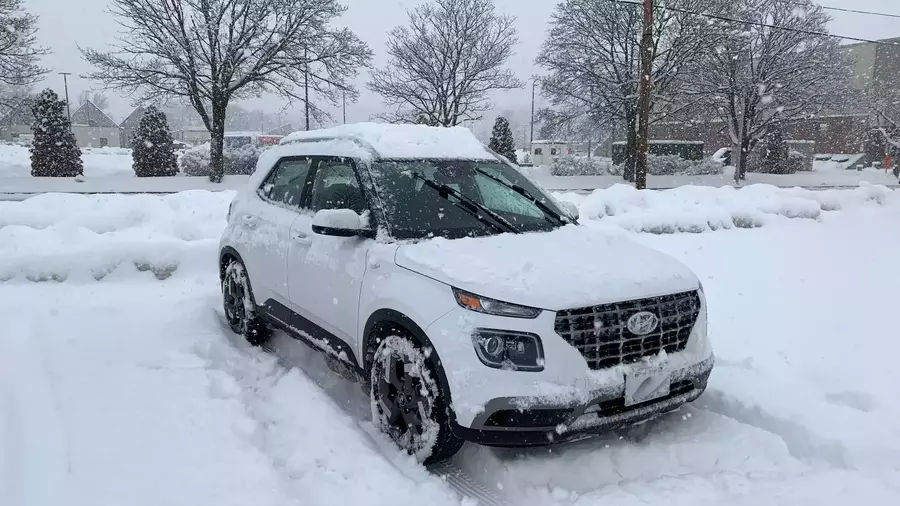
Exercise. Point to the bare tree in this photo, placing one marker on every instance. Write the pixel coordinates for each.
(759, 75)
(209, 52)
(445, 63)
(97, 98)
(592, 53)
(19, 52)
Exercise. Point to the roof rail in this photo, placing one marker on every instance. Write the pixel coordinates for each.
(356, 140)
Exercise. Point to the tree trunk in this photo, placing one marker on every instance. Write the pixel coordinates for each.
(217, 144)
(739, 153)
(631, 120)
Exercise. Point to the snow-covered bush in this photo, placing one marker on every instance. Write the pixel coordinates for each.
(54, 151)
(673, 165)
(578, 166)
(153, 151)
(240, 160)
(195, 161)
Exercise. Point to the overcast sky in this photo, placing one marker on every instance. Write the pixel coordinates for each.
(66, 24)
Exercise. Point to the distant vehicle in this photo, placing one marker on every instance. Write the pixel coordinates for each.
(482, 312)
(240, 139)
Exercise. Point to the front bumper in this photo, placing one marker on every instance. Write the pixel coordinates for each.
(503, 424)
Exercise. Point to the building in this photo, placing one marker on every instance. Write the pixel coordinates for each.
(129, 126)
(545, 152)
(93, 128)
(192, 135)
(15, 125)
(876, 68)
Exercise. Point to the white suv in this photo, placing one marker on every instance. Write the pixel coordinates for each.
(468, 301)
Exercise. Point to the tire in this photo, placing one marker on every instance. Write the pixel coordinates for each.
(240, 308)
(419, 420)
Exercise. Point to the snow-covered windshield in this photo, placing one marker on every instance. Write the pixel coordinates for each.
(415, 208)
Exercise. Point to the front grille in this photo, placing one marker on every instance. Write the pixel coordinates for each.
(601, 333)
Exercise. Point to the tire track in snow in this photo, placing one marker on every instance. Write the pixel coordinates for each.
(801, 442)
(35, 465)
(322, 454)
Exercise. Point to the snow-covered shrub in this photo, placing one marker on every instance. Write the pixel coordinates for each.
(674, 165)
(54, 151)
(195, 161)
(153, 148)
(578, 166)
(240, 160)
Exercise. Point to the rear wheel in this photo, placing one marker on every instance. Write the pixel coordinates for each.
(407, 401)
(240, 308)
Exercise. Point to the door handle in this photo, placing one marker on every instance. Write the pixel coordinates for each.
(302, 238)
(249, 221)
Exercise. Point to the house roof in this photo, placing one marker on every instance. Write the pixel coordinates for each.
(134, 119)
(91, 115)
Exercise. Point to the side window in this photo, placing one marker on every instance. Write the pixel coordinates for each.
(538, 151)
(554, 151)
(286, 183)
(335, 187)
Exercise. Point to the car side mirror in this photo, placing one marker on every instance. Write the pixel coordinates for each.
(339, 223)
(570, 209)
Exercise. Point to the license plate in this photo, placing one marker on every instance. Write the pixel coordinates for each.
(644, 386)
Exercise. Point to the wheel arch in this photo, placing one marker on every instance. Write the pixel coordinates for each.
(382, 319)
(226, 255)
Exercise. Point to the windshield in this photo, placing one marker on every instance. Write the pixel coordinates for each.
(415, 210)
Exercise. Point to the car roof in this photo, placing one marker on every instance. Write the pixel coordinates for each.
(388, 142)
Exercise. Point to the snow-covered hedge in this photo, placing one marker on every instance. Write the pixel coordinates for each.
(579, 166)
(697, 209)
(87, 237)
(672, 165)
(196, 160)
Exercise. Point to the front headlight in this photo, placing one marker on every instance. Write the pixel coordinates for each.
(504, 349)
(486, 305)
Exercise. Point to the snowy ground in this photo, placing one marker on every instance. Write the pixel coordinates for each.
(119, 385)
(15, 161)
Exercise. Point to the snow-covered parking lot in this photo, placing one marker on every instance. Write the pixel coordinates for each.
(119, 385)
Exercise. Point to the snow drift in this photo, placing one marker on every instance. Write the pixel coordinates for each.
(63, 236)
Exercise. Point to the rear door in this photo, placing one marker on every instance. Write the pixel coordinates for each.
(281, 194)
(326, 272)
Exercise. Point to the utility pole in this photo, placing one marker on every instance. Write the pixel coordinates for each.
(345, 106)
(306, 85)
(68, 108)
(530, 142)
(644, 85)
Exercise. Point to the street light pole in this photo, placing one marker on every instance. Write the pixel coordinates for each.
(345, 106)
(644, 84)
(68, 108)
(531, 141)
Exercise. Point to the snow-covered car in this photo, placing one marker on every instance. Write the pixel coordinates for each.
(469, 302)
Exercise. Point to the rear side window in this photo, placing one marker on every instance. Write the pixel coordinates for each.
(287, 182)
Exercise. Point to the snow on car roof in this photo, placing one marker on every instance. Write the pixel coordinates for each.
(388, 141)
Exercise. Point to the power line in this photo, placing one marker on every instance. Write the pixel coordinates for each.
(762, 25)
(843, 9)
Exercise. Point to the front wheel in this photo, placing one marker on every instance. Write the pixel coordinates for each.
(408, 403)
(240, 309)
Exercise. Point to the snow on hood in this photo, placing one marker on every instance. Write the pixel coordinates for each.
(574, 266)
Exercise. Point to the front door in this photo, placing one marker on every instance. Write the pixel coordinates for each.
(325, 273)
(276, 210)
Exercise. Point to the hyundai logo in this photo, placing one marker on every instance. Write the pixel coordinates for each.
(643, 323)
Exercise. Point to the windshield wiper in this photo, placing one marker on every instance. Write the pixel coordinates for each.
(547, 210)
(470, 206)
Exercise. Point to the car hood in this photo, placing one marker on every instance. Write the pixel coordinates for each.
(573, 266)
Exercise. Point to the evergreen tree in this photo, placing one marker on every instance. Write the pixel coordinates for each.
(54, 151)
(153, 150)
(502, 140)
